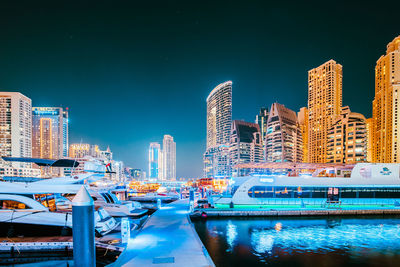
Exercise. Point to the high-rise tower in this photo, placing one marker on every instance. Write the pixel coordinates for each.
(15, 126)
(155, 161)
(283, 142)
(219, 115)
(169, 158)
(245, 146)
(49, 132)
(219, 121)
(370, 138)
(324, 105)
(347, 138)
(385, 107)
(302, 118)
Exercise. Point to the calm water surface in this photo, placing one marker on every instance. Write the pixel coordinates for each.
(361, 241)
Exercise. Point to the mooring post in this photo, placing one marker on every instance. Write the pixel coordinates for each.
(83, 229)
(191, 200)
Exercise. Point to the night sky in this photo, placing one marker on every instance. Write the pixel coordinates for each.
(132, 71)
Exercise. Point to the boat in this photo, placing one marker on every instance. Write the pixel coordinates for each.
(27, 216)
(165, 197)
(116, 208)
(65, 188)
(303, 185)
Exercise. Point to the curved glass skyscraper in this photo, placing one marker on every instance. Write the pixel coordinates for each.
(219, 121)
(219, 115)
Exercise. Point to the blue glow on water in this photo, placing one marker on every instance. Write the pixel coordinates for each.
(276, 242)
(231, 234)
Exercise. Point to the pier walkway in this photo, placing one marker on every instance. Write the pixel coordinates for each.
(260, 212)
(167, 239)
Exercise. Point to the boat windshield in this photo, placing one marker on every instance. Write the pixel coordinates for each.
(13, 205)
(47, 200)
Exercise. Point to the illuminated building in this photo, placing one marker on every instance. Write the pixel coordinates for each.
(169, 158)
(6, 171)
(155, 160)
(347, 138)
(324, 104)
(245, 145)
(302, 118)
(118, 174)
(219, 120)
(136, 173)
(216, 162)
(385, 107)
(370, 134)
(49, 132)
(219, 115)
(79, 150)
(15, 127)
(261, 120)
(283, 142)
(105, 155)
(83, 153)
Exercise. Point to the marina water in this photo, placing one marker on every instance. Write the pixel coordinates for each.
(317, 241)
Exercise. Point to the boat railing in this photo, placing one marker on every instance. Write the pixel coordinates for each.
(322, 202)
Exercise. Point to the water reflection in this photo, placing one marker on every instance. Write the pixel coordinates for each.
(329, 242)
(231, 234)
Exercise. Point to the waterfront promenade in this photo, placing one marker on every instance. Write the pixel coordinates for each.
(167, 239)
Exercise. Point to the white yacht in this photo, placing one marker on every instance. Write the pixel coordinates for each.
(68, 186)
(115, 207)
(315, 185)
(39, 216)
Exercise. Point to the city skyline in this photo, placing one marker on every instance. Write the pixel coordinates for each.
(49, 68)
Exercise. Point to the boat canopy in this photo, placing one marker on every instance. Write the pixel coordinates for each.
(46, 162)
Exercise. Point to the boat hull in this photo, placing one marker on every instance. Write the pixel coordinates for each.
(8, 229)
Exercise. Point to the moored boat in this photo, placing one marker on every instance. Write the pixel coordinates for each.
(326, 185)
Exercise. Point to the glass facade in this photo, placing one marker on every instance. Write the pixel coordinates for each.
(154, 160)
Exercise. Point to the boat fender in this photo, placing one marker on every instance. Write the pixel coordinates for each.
(204, 215)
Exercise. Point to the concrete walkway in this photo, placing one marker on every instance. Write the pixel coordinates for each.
(167, 239)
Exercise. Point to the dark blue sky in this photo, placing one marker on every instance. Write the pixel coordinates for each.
(132, 72)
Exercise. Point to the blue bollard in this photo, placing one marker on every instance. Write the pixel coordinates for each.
(191, 195)
(83, 229)
(191, 200)
(125, 230)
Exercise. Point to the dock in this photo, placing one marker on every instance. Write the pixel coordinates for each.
(168, 238)
(210, 212)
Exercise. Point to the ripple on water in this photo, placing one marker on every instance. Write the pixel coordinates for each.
(271, 241)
